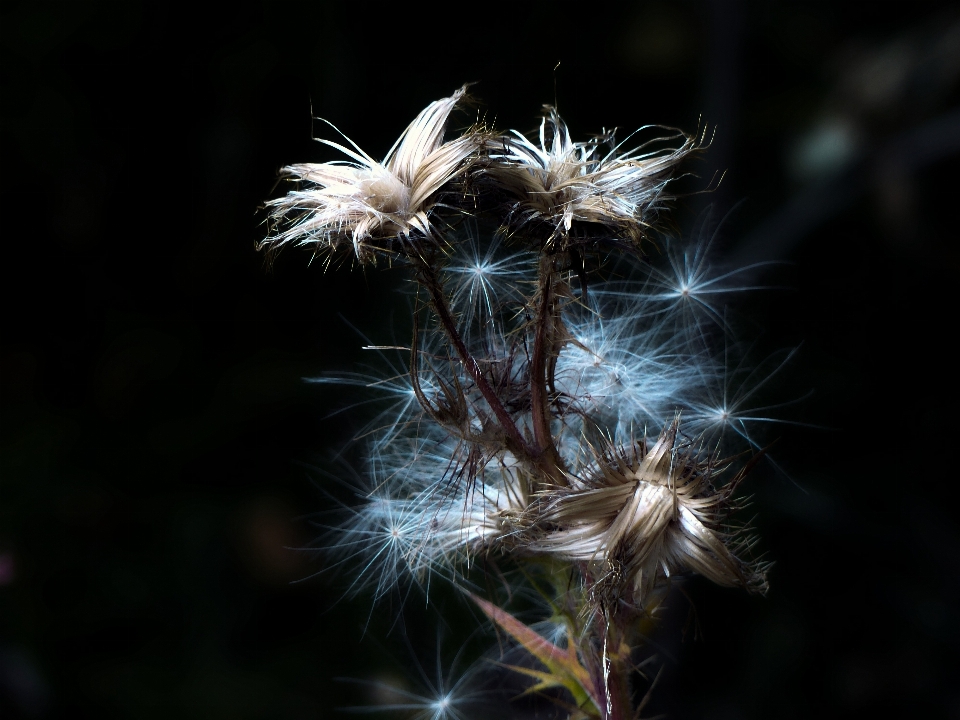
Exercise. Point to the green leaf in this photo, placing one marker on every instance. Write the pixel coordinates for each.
(565, 669)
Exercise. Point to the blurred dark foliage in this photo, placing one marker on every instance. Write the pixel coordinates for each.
(157, 440)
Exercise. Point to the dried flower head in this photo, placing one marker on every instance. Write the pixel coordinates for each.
(557, 181)
(369, 203)
(646, 516)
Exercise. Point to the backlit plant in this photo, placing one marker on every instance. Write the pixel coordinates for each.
(540, 422)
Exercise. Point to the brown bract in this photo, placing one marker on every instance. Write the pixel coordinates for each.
(367, 203)
(646, 517)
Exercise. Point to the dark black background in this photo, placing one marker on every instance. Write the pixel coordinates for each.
(156, 435)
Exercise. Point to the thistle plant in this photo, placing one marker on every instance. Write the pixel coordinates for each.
(537, 431)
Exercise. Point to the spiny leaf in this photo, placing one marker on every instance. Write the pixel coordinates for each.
(564, 665)
(583, 709)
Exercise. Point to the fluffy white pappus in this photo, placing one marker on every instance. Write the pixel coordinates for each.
(671, 315)
(391, 384)
(557, 181)
(466, 524)
(472, 500)
(451, 693)
(367, 203)
(441, 704)
(491, 507)
(431, 508)
(486, 283)
(689, 287)
(381, 542)
(725, 409)
(392, 389)
(625, 365)
(385, 540)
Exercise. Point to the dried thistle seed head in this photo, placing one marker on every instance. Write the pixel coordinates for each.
(367, 204)
(558, 181)
(645, 516)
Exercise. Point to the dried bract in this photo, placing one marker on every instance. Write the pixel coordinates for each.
(645, 517)
(368, 203)
(556, 182)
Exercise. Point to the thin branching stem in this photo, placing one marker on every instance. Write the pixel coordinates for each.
(427, 277)
(544, 350)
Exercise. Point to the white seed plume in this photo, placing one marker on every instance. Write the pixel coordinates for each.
(625, 365)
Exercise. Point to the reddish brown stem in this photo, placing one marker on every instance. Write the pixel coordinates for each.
(620, 707)
(609, 670)
(543, 342)
(439, 302)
